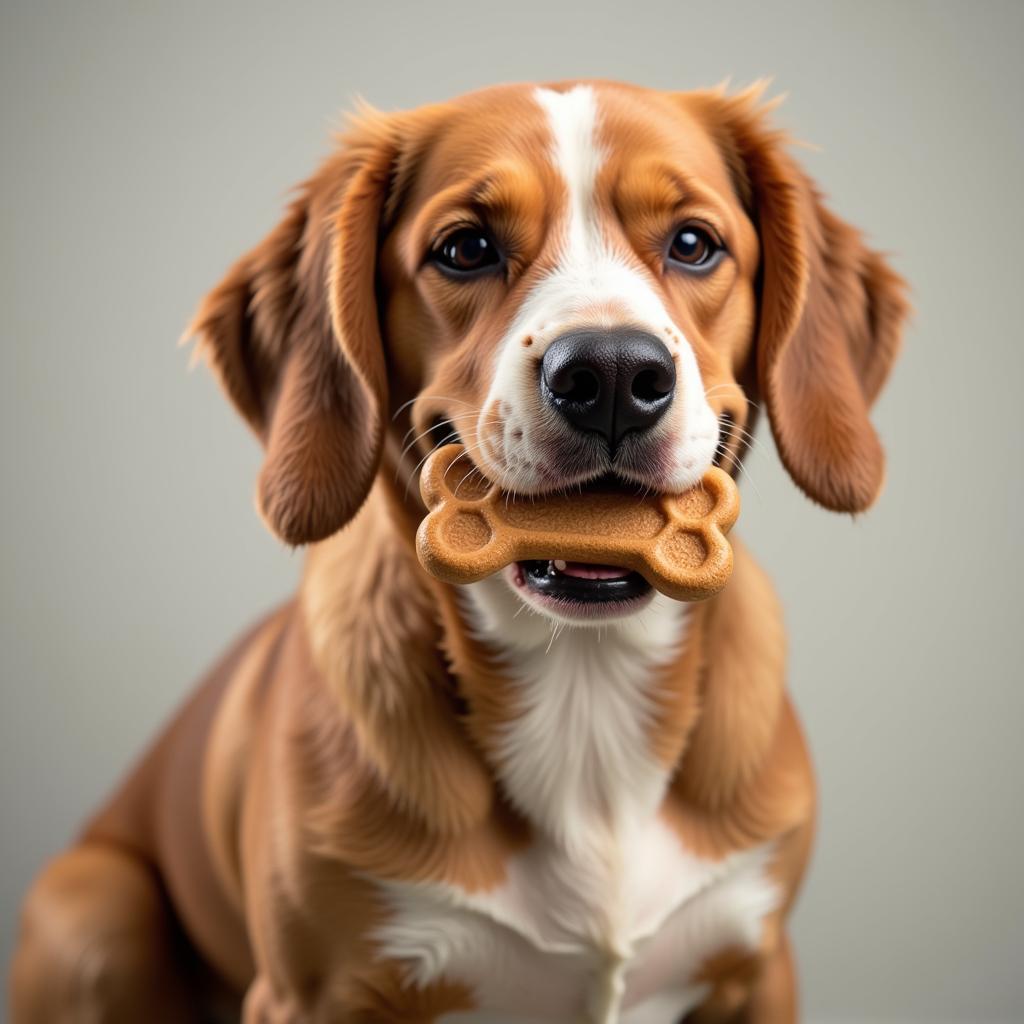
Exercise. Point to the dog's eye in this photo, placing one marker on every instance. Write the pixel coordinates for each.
(695, 246)
(466, 251)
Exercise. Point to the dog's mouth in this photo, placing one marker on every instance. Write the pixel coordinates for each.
(566, 589)
(577, 590)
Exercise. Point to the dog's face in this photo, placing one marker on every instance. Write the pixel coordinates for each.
(577, 282)
(565, 291)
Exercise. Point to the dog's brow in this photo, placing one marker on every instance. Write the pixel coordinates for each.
(665, 184)
(465, 193)
(500, 192)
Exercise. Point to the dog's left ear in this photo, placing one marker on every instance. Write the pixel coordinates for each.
(292, 333)
(830, 313)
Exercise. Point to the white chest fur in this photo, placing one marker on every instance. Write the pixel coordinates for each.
(564, 941)
(606, 917)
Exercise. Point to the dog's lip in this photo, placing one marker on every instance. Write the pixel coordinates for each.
(580, 590)
(600, 480)
(556, 485)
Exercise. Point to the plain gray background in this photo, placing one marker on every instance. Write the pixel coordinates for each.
(144, 147)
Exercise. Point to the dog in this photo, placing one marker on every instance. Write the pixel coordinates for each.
(553, 794)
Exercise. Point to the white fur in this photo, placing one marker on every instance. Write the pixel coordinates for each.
(606, 917)
(575, 757)
(545, 946)
(589, 272)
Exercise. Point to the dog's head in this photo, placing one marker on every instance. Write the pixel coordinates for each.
(577, 281)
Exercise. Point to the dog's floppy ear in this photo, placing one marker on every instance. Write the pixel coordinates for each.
(831, 313)
(292, 333)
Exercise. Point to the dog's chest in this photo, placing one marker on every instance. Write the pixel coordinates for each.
(606, 917)
(614, 932)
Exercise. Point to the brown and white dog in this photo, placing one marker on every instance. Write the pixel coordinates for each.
(552, 795)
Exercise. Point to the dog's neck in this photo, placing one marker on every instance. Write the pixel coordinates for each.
(574, 747)
(581, 729)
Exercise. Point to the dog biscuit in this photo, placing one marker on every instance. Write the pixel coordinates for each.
(676, 542)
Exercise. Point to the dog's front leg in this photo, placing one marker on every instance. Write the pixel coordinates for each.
(774, 998)
(263, 1006)
(764, 993)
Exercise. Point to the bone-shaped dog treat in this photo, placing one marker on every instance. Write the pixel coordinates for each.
(675, 541)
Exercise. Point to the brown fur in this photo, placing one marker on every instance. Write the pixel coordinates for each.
(349, 734)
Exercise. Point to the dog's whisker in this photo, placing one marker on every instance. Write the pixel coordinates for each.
(467, 451)
(464, 479)
(748, 440)
(423, 433)
(464, 417)
(469, 416)
(440, 444)
(554, 633)
(448, 438)
(733, 393)
(747, 475)
(747, 443)
(412, 444)
(453, 436)
(436, 398)
(750, 444)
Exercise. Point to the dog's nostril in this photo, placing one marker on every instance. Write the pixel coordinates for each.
(570, 380)
(650, 385)
(583, 387)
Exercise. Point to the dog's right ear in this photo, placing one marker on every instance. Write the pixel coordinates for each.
(292, 333)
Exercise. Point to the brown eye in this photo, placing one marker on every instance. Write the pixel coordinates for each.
(466, 251)
(695, 246)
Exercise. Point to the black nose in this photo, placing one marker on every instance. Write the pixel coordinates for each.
(609, 382)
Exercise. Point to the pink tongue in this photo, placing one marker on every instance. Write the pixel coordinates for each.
(583, 571)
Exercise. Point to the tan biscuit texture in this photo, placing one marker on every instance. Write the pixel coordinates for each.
(677, 542)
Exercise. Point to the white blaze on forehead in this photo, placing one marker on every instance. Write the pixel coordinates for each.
(572, 118)
(587, 270)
